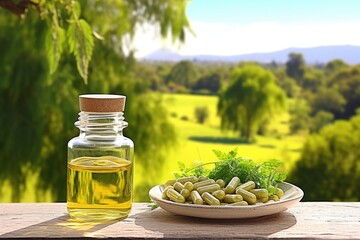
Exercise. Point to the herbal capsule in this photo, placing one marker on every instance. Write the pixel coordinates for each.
(221, 183)
(203, 183)
(279, 192)
(169, 182)
(234, 182)
(249, 185)
(247, 196)
(183, 180)
(185, 193)
(178, 186)
(196, 198)
(260, 192)
(175, 196)
(232, 198)
(274, 197)
(202, 178)
(164, 196)
(210, 199)
(263, 199)
(219, 194)
(241, 203)
(208, 188)
(189, 186)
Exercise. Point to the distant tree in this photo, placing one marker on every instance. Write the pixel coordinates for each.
(299, 115)
(250, 99)
(321, 119)
(328, 169)
(347, 82)
(183, 73)
(328, 99)
(313, 79)
(149, 76)
(295, 66)
(209, 82)
(334, 66)
(201, 114)
(288, 84)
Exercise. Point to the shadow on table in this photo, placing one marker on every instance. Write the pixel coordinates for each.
(60, 227)
(176, 226)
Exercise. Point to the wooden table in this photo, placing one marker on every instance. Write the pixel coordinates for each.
(306, 220)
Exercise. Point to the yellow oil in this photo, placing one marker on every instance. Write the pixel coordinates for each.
(99, 188)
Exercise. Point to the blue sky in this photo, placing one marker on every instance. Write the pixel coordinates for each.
(281, 11)
(230, 27)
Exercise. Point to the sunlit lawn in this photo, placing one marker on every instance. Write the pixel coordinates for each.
(196, 141)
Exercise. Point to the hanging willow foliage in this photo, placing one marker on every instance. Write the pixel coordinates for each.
(40, 84)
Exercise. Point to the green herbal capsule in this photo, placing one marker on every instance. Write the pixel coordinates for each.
(185, 193)
(163, 195)
(221, 183)
(232, 198)
(208, 188)
(189, 186)
(274, 197)
(196, 198)
(260, 192)
(203, 183)
(203, 178)
(263, 199)
(169, 182)
(247, 196)
(183, 180)
(219, 194)
(210, 199)
(175, 196)
(279, 192)
(234, 182)
(178, 186)
(249, 185)
(241, 203)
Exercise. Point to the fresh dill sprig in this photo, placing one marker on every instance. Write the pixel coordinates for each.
(265, 175)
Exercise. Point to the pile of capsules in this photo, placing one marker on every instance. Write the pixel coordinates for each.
(204, 191)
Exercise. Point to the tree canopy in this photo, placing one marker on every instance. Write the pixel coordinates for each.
(295, 66)
(69, 29)
(328, 169)
(250, 99)
(41, 107)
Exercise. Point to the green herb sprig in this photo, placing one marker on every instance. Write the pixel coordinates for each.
(265, 175)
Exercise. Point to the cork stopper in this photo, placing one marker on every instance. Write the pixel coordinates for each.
(102, 103)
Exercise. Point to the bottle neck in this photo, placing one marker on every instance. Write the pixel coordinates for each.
(101, 126)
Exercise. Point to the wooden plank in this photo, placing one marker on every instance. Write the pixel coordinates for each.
(306, 220)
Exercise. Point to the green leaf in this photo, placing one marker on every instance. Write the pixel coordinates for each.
(81, 44)
(76, 9)
(54, 42)
(181, 166)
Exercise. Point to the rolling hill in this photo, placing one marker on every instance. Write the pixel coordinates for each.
(313, 55)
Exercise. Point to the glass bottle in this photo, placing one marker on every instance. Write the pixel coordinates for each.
(100, 161)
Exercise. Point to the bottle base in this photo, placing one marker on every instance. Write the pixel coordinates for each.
(98, 215)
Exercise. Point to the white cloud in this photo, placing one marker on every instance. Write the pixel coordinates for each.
(231, 39)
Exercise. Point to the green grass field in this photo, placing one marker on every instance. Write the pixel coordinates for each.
(196, 141)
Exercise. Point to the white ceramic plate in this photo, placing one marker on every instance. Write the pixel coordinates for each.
(292, 195)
